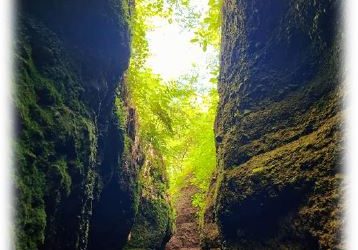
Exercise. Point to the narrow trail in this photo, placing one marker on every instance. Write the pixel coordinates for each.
(186, 236)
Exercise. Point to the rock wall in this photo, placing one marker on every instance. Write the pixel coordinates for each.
(73, 188)
(152, 224)
(278, 128)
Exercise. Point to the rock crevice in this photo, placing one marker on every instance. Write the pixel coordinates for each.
(79, 158)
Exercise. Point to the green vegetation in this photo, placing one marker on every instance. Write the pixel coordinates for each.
(208, 31)
(53, 122)
(176, 117)
(152, 227)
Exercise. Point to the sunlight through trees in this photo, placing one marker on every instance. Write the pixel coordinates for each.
(176, 115)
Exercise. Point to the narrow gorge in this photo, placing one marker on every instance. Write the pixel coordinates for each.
(237, 147)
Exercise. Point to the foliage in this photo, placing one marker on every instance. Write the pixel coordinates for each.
(176, 117)
(208, 31)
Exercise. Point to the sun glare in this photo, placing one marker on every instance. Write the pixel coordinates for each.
(173, 55)
(171, 52)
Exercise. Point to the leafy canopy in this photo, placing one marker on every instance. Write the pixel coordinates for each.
(176, 117)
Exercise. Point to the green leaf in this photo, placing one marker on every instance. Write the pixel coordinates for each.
(194, 40)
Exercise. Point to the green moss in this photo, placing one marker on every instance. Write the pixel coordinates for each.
(258, 170)
(31, 225)
(286, 177)
(152, 225)
(153, 222)
(121, 112)
(122, 10)
(56, 139)
(61, 173)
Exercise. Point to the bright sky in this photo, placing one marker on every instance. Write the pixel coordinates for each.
(173, 55)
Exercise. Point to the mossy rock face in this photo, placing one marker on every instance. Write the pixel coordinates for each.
(288, 198)
(278, 128)
(153, 222)
(272, 52)
(66, 77)
(152, 227)
(116, 210)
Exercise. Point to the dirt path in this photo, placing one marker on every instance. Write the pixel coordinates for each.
(186, 236)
